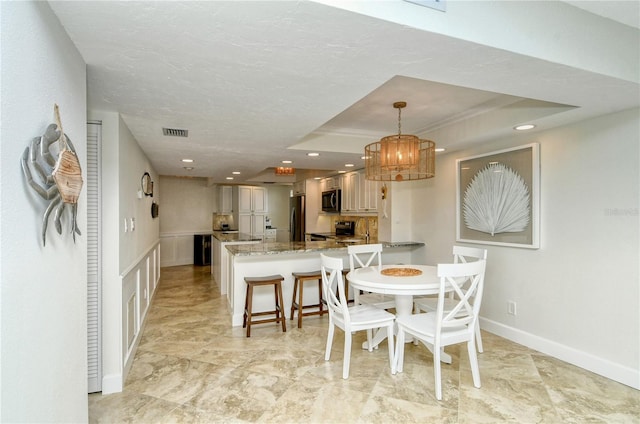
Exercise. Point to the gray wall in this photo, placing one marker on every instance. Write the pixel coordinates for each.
(43, 295)
(578, 295)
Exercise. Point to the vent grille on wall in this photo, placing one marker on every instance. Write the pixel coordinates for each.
(174, 132)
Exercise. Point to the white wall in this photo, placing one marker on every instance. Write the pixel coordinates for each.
(133, 164)
(123, 164)
(187, 205)
(578, 295)
(279, 206)
(43, 288)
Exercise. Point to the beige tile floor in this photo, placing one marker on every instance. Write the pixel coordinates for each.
(192, 367)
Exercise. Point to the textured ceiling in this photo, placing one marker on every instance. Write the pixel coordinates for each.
(259, 82)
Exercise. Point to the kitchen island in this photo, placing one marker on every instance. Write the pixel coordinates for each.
(262, 259)
(219, 252)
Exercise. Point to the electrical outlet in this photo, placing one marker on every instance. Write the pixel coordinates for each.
(511, 307)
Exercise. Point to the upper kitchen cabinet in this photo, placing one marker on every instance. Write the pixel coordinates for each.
(251, 205)
(330, 183)
(350, 192)
(225, 199)
(299, 188)
(359, 195)
(367, 194)
(252, 200)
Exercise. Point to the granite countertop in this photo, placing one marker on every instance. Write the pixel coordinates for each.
(277, 248)
(234, 236)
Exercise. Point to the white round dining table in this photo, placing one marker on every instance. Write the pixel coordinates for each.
(372, 279)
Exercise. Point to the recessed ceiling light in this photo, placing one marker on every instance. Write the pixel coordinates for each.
(287, 161)
(229, 178)
(313, 154)
(348, 165)
(524, 127)
(236, 172)
(342, 171)
(364, 157)
(440, 149)
(317, 178)
(187, 160)
(188, 168)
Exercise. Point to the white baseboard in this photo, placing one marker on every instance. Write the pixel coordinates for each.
(603, 367)
(112, 383)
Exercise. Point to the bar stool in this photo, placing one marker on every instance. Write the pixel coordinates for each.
(299, 279)
(276, 282)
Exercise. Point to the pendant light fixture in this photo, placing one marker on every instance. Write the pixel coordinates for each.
(400, 157)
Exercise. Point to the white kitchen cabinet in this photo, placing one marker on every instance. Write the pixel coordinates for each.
(252, 207)
(299, 187)
(225, 199)
(349, 192)
(367, 194)
(252, 199)
(330, 183)
(251, 224)
(270, 234)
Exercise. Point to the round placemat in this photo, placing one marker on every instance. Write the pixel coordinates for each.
(401, 272)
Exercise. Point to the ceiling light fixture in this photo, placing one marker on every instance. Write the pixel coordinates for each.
(287, 161)
(284, 170)
(524, 127)
(313, 154)
(187, 160)
(229, 178)
(349, 165)
(235, 172)
(400, 157)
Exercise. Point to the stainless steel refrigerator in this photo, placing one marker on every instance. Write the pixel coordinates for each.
(297, 218)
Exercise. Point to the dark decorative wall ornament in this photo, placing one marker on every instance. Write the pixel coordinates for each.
(52, 158)
(154, 210)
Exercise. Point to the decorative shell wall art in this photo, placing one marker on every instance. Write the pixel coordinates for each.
(496, 201)
(59, 181)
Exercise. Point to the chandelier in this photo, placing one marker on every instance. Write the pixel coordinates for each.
(400, 157)
(284, 170)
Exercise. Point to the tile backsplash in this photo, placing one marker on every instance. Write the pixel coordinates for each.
(361, 224)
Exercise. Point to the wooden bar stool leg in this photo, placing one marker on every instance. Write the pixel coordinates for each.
(300, 303)
(293, 302)
(279, 293)
(246, 305)
(249, 308)
(320, 297)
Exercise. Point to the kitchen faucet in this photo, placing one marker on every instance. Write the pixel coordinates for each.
(366, 234)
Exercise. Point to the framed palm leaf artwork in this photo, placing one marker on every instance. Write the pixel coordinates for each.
(498, 198)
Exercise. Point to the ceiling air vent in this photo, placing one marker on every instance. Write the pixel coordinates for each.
(174, 132)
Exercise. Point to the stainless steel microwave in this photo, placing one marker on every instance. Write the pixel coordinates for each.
(331, 201)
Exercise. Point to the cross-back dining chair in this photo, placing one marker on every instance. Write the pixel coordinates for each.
(461, 254)
(443, 328)
(362, 255)
(350, 318)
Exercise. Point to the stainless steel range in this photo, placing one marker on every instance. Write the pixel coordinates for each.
(345, 228)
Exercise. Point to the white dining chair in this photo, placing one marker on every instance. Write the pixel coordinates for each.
(350, 318)
(441, 328)
(461, 254)
(362, 255)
